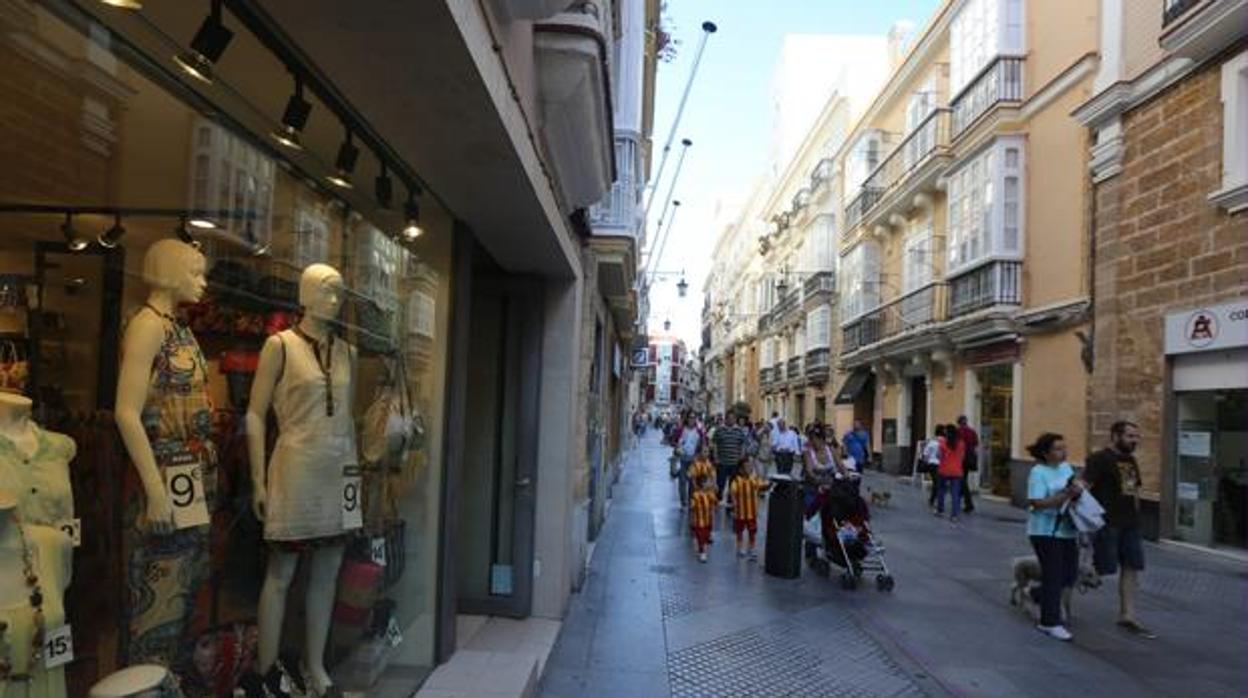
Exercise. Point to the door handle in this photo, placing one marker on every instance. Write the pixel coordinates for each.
(524, 482)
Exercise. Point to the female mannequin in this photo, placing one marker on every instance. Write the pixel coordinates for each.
(35, 568)
(34, 464)
(306, 375)
(164, 415)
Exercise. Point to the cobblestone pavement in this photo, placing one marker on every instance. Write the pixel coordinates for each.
(651, 621)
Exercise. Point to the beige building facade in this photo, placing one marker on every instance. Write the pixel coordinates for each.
(1169, 173)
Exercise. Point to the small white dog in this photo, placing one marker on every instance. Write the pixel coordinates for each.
(1027, 574)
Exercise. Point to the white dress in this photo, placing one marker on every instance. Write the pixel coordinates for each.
(307, 471)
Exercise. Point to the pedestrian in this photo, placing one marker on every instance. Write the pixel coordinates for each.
(1113, 478)
(970, 460)
(730, 444)
(950, 472)
(819, 458)
(786, 448)
(746, 486)
(927, 463)
(689, 439)
(702, 513)
(1050, 485)
(858, 445)
(766, 454)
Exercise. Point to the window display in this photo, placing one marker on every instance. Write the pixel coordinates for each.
(221, 384)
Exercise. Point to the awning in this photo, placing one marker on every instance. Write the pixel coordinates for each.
(853, 386)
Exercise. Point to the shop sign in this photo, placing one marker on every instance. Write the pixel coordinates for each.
(999, 353)
(641, 357)
(1208, 329)
(1195, 444)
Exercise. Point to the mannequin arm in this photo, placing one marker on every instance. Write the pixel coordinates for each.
(142, 343)
(267, 373)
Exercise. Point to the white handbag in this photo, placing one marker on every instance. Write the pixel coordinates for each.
(1087, 514)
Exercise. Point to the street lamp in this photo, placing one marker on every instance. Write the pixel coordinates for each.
(682, 287)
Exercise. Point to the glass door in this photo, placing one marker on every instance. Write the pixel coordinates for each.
(996, 389)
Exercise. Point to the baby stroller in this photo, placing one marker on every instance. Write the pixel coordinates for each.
(842, 530)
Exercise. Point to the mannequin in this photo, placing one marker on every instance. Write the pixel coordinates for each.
(306, 375)
(142, 681)
(164, 415)
(35, 568)
(34, 464)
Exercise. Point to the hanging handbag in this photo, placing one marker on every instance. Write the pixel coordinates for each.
(14, 370)
(391, 428)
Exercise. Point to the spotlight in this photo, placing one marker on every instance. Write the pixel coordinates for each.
(345, 163)
(109, 238)
(206, 47)
(184, 234)
(293, 119)
(75, 243)
(202, 222)
(124, 4)
(411, 211)
(384, 188)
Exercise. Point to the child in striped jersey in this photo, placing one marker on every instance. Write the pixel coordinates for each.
(702, 513)
(745, 487)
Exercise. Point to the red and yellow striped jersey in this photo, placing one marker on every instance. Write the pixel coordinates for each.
(745, 496)
(702, 508)
(701, 466)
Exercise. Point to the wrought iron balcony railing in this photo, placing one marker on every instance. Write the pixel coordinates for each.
(818, 365)
(858, 206)
(794, 370)
(931, 134)
(912, 311)
(995, 283)
(999, 81)
(819, 282)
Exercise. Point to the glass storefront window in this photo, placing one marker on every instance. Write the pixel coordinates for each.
(1211, 497)
(105, 162)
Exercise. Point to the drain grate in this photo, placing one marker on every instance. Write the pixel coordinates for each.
(783, 659)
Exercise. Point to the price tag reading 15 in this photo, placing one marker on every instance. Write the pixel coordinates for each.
(352, 510)
(58, 648)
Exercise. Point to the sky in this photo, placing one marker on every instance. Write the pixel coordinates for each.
(727, 118)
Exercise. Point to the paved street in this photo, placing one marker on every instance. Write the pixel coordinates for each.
(652, 621)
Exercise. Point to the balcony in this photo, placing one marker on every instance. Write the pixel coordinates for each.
(764, 378)
(999, 81)
(823, 282)
(995, 283)
(794, 371)
(619, 213)
(858, 206)
(787, 308)
(1199, 29)
(909, 313)
(913, 166)
(818, 366)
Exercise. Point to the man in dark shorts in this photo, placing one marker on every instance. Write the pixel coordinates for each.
(1114, 479)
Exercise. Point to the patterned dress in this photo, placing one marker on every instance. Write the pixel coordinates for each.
(165, 573)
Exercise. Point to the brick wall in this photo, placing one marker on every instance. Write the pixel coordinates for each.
(1160, 246)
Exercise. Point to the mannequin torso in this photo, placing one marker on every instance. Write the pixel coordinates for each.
(50, 560)
(34, 464)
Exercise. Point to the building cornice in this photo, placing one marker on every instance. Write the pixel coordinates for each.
(1124, 95)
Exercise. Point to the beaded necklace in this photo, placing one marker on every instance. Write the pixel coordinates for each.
(36, 603)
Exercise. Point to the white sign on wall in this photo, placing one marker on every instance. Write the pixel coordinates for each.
(1208, 328)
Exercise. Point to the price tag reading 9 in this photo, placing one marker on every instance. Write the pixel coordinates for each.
(185, 486)
(352, 509)
(73, 529)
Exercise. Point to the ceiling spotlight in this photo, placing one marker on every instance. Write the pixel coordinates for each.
(124, 4)
(345, 163)
(384, 188)
(206, 47)
(75, 243)
(202, 222)
(411, 211)
(293, 119)
(184, 234)
(109, 238)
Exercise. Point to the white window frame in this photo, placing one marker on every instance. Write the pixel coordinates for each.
(819, 328)
(859, 281)
(861, 163)
(918, 255)
(1233, 196)
(231, 181)
(310, 227)
(977, 214)
(980, 31)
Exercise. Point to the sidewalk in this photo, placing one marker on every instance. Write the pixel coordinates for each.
(652, 621)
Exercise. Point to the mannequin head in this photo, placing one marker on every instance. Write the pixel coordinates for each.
(8, 504)
(321, 292)
(176, 268)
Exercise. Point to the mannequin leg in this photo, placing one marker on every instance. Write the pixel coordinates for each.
(322, 583)
(280, 571)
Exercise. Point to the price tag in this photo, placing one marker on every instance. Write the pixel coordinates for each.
(58, 649)
(377, 550)
(394, 636)
(185, 487)
(73, 529)
(352, 511)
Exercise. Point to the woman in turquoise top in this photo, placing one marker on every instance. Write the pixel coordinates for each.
(1050, 486)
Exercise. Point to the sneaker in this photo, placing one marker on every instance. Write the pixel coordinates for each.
(1057, 632)
(1135, 628)
(741, 554)
(753, 555)
(701, 557)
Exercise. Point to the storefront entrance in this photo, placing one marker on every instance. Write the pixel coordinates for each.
(1211, 494)
(917, 419)
(996, 401)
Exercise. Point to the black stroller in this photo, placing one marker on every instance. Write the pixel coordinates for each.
(844, 536)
